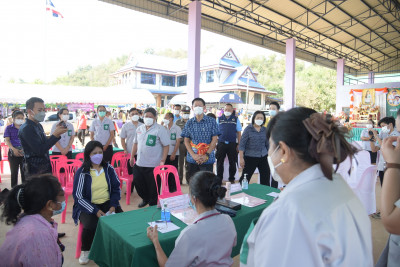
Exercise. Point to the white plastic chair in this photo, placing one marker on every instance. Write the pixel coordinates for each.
(365, 189)
(344, 168)
(361, 162)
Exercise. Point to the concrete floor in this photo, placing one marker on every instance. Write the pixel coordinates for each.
(379, 234)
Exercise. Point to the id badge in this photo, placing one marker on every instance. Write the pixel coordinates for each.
(151, 140)
(69, 132)
(106, 127)
(173, 136)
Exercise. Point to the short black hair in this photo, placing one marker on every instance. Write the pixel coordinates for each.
(87, 162)
(133, 109)
(229, 104)
(16, 113)
(253, 118)
(276, 104)
(212, 115)
(169, 115)
(30, 103)
(177, 105)
(152, 111)
(101, 106)
(387, 120)
(206, 187)
(199, 99)
(61, 112)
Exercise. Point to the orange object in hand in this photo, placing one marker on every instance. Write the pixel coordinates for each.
(201, 148)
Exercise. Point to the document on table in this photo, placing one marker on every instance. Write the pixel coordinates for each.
(186, 215)
(247, 200)
(236, 188)
(163, 227)
(273, 194)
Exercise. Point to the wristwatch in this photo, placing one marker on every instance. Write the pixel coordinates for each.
(391, 165)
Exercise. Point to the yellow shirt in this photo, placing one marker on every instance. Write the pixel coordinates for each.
(100, 192)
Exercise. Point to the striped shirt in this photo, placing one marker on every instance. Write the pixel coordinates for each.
(253, 143)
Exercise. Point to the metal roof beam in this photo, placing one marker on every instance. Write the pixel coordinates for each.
(392, 6)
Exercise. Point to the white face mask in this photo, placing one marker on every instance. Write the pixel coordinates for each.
(64, 117)
(186, 116)
(385, 129)
(148, 121)
(135, 118)
(369, 126)
(227, 113)
(166, 122)
(259, 122)
(19, 122)
(272, 168)
(198, 110)
(176, 112)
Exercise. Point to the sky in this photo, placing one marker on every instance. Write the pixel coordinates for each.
(35, 45)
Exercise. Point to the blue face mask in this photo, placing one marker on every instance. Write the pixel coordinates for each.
(192, 205)
(56, 212)
(272, 113)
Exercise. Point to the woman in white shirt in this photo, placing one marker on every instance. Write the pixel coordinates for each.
(366, 137)
(317, 220)
(210, 239)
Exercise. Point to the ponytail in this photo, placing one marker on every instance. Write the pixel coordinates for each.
(13, 204)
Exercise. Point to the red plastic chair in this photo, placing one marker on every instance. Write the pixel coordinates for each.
(70, 166)
(115, 156)
(79, 242)
(121, 168)
(80, 156)
(4, 155)
(164, 171)
(53, 160)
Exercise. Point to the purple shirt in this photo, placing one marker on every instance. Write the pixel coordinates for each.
(12, 132)
(32, 242)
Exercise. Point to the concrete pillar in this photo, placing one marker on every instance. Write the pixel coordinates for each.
(371, 77)
(289, 94)
(158, 101)
(193, 76)
(339, 83)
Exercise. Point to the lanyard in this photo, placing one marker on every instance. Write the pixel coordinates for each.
(208, 216)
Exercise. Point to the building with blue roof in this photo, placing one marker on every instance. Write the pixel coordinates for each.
(166, 77)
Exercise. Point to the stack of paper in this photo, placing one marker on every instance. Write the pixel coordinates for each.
(187, 215)
(164, 227)
(247, 200)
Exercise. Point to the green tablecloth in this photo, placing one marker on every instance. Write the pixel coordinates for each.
(121, 239)
(77, 151)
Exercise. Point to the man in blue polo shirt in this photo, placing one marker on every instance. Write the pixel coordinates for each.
(200, 136)
(228, 141)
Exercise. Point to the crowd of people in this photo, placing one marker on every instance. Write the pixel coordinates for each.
(316, 220)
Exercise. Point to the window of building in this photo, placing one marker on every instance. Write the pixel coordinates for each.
(148, 78)
(257, 99)
(168, 80)
(243, 97)
(210, 76)
(182, 80)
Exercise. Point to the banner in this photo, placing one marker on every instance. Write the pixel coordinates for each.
(393, 102)
(80, 106)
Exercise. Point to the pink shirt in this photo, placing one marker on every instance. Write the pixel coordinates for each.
(32, 242)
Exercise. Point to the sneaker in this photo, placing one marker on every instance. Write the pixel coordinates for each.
(84, 258)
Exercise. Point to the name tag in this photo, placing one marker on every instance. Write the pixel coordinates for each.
(69, 132)
(151, 140)
(106, 127)
(173, 136)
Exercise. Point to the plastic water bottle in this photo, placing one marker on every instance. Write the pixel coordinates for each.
(165, 213)
(245, 182)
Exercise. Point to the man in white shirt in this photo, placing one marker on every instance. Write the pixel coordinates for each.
(102, 130)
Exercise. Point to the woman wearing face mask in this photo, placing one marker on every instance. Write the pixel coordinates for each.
(33, 241)
(64, 145)
(210, 239)
(366, 136)
(388, 129)
(96, 193)
(253, 150)
(317, 220)
(15, 153)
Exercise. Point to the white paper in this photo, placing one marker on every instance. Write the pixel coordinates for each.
(176, 203)
(108, 213)
(236, 188)
(273, 194)
(163, 227)
(187, 215)
(247, 200)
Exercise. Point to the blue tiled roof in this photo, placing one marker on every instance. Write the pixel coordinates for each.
(230, 62)
(252, 83)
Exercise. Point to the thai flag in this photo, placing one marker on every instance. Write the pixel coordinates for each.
(52, 8)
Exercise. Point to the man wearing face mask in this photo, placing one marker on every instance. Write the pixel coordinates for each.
(228, 142)
(102, 130)
(200, 135)
(151, 143)
(177, 112)
(64, 146)
(34, 142)
(274, 108)
(388, 129)
(182, 163)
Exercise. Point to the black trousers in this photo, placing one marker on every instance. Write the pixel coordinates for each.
(224, 150)
(81, 136)
(69, 154)
(90, 221)
(373, 156)
(250, 165)
(16, 163)
(171, 178)
(145, 184)
(194, 167)
(107, 155)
